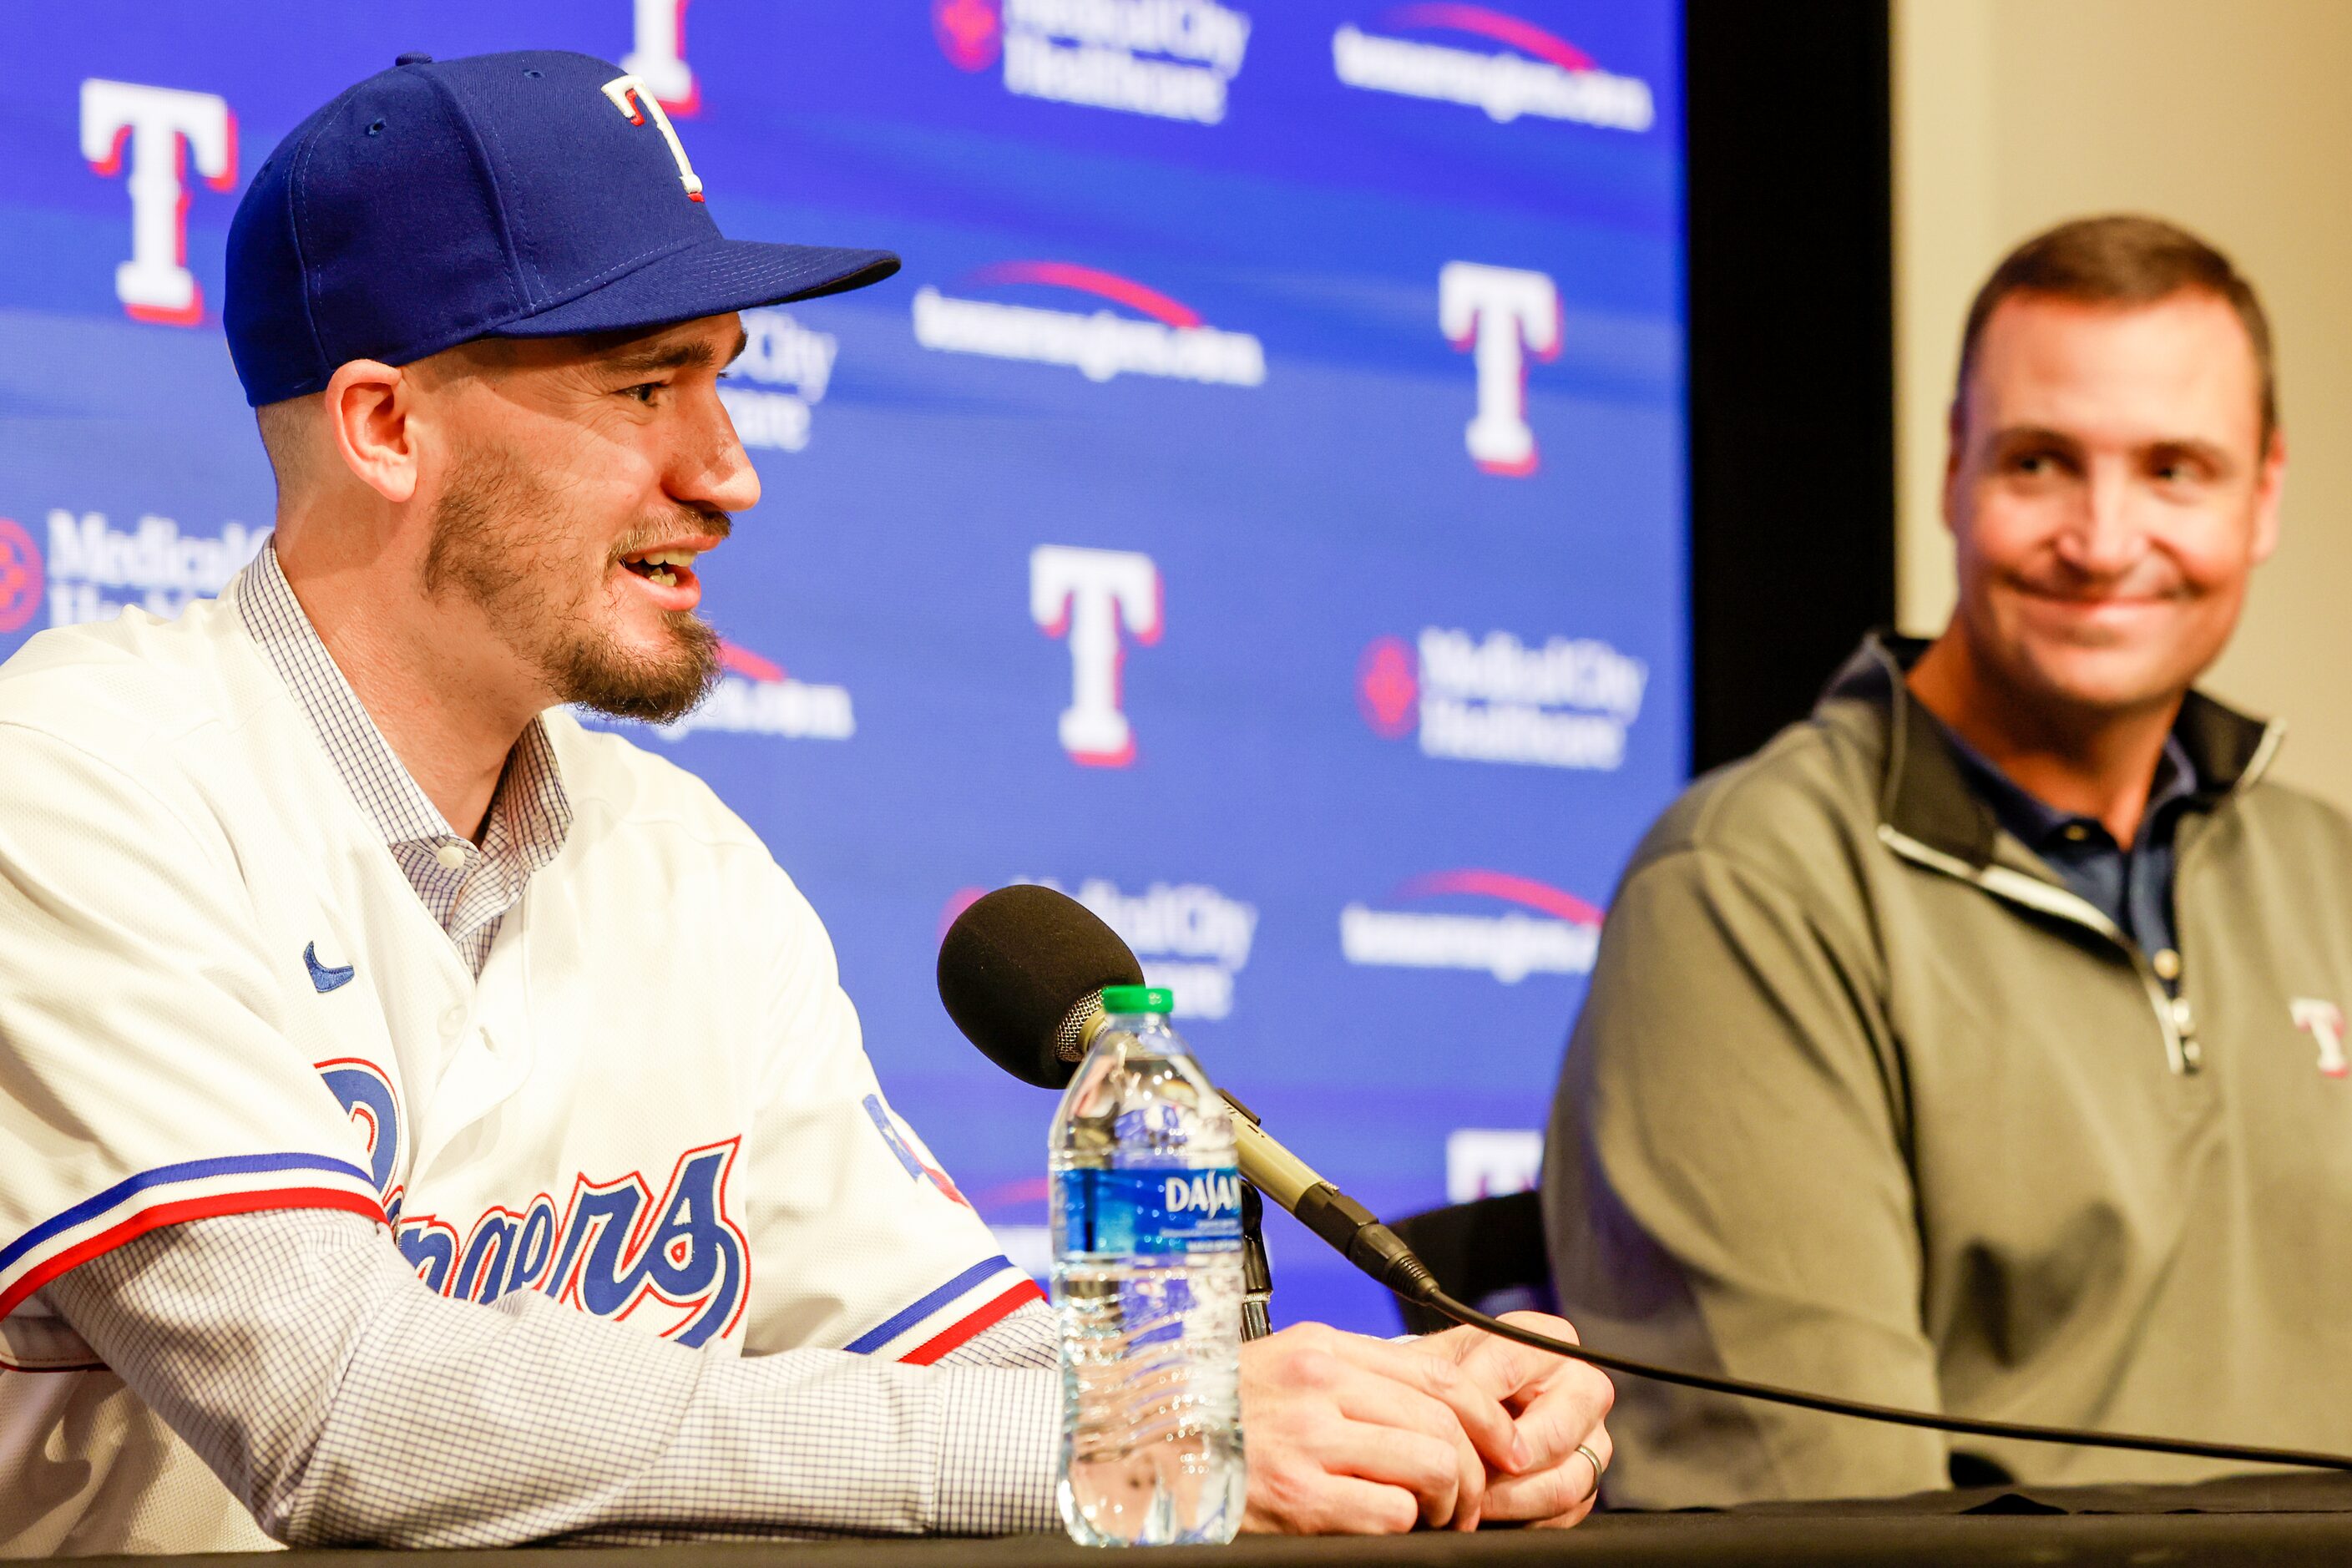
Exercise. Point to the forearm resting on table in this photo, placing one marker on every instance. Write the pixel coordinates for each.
(344, 1403)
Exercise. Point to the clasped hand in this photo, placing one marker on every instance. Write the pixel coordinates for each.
(1352, 1434)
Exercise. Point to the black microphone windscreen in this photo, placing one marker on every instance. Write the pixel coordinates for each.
(1016, 964)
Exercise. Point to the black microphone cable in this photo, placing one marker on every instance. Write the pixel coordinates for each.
(2019, 1431)
(1393, 1264)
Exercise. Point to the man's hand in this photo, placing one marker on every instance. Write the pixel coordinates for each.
(1352, 1435)
(1555, 1405)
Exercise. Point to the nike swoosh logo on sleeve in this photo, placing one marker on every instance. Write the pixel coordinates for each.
(325, 978)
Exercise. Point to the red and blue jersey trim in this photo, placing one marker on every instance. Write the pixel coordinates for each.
(986, 1293)
(169, 1195)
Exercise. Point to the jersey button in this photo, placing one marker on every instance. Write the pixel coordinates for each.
(450, 857)
(451, 1022)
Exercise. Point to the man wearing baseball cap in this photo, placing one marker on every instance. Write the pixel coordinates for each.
(390, 1065)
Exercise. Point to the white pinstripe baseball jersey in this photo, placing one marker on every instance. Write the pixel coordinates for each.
(218, 993)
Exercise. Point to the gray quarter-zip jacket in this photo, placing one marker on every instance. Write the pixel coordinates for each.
(1864, 1100)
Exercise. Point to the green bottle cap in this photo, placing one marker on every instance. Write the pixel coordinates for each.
(1138, 999)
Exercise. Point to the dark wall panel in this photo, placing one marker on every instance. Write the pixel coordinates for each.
(1791, 375)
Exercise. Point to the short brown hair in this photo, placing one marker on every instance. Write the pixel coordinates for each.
(2122, 259)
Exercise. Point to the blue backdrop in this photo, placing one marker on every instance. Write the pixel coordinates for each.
(1257, 508)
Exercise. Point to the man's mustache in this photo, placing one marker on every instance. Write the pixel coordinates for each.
(2151, 578)
(685, 520)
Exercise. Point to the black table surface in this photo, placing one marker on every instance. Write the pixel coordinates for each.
(2268, 1519)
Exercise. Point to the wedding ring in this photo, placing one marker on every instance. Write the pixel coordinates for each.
(1598, 1468)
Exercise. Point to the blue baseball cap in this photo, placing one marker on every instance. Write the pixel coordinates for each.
(531, 195)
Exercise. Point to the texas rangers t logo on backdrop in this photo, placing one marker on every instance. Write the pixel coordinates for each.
(1501, 314)
(155, 284)
(659, 58)
(1083, 595)
(627, 92)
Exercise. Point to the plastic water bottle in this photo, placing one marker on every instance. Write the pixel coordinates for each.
(1148, 1286)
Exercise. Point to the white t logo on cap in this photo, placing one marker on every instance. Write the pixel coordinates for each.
(621, 89)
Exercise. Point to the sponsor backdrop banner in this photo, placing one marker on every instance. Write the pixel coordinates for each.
(1257, 510)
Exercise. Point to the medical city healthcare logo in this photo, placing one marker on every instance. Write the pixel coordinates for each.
(1567, 704)
(1541, 930)
(1534, 73)
(1189, 937)
(778, 352)
(22, 577)
(1171, 59)
(95, 569)
(1150, 334)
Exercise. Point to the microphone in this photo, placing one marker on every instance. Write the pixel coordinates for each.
(1021, 972)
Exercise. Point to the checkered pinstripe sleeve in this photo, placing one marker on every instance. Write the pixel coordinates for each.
(345, 1404)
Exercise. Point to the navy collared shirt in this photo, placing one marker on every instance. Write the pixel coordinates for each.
(2132, 887)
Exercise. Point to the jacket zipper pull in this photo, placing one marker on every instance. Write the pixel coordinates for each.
(2184, 1019)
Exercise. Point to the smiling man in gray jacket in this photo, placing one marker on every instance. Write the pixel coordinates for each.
(1977, 1045)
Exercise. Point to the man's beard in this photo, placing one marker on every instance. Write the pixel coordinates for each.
(495, 540)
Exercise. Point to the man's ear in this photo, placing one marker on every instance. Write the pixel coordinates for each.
(2270, 489)
(369, 406)
(1955, 441)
